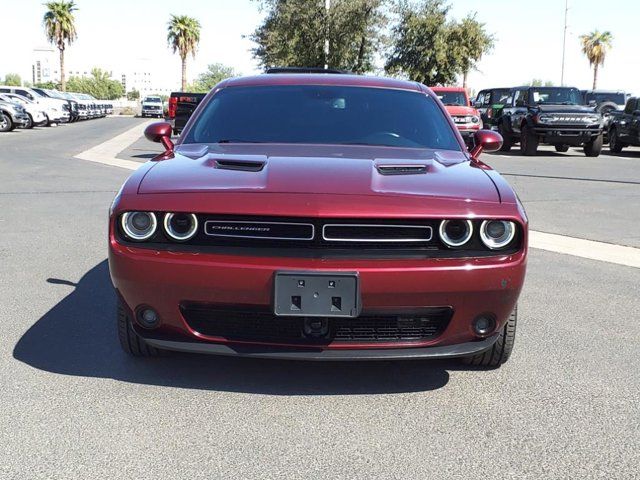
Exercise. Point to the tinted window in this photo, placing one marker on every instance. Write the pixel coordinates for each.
(556, 96)
(452, 98)
(24, 93)
(323, 115)
(500, 96)
(617, 98)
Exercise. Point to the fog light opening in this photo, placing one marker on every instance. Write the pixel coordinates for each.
(148, 317)
(483, 325)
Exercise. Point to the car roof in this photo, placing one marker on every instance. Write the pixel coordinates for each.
(322, 79)
(448, 89)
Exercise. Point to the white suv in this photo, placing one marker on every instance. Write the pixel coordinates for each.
(54, 108)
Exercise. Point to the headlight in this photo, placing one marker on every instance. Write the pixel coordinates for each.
(545, 118)
(475, 119)
(139, 226)
(180, 226)
(497, 234)
(455, 233)
(592, 118)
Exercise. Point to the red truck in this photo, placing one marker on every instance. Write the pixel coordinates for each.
(466, 117)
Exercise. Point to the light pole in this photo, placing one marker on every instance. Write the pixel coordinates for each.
(564, 40)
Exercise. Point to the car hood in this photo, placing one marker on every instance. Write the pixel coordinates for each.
(460, 110)
(338, 170)
(565, 108)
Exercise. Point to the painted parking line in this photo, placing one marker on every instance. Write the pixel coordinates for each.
(578, 247)
(106, 152)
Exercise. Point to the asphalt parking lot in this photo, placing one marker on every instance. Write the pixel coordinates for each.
(74, 406)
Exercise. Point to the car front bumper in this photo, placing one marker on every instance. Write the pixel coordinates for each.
(570, 135)
(165, 280)
(151, 111)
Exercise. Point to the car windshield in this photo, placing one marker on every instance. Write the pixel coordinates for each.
(452, 98)
(556, 96)
(617, 98)
(153, 99)
(323, 115)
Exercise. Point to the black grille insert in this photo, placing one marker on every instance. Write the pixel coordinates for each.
(250, 324)
(376, 233)
(259, 230)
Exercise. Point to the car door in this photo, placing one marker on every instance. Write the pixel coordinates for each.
(519, 109)
(624, 125)
(634, 123)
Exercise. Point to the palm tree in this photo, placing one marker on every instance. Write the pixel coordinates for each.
(183, 37)
(595, 46)
(59, 26)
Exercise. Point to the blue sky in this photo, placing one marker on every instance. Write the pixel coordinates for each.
(120, 34)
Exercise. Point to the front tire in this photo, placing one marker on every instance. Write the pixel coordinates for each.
(528, 141)
(130, 341)
(500, 352)
(29, 122)
(593, 147)
(615, 146)
(507, 141)
(6, 124)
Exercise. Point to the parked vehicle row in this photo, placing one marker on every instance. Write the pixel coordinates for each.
(24, 107)
(532, 116)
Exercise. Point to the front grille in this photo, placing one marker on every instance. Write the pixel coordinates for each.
(376, 233)
(254, 325)
(260, 230)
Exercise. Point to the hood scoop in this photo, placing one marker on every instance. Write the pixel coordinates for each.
(242, 165)
(402, 169)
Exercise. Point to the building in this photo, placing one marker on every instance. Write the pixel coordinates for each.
(43, 65)
(143, 78)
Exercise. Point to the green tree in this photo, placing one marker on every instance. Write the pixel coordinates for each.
(47, 85)
(595, 46)
(133, 95)
(183, 37)
(537, 82)
(469, 41)
(59, 26)
(422, 48)
(298, 33)
(12, 79)
(100, 85)
(215, 73)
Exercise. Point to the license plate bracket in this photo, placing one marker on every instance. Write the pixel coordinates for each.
(311, 294)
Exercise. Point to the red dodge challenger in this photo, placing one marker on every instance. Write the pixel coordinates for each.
(319, 216)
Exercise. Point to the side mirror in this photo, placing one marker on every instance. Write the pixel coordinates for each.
(485, 141)
(592, 103)
(477, 104)
(636, 113)
(160, 132)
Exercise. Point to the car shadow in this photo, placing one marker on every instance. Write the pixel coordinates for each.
(625, 153)
(78, 337)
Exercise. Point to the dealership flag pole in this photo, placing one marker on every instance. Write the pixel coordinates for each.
(564, 40)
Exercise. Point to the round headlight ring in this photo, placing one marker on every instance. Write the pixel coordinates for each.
(448, 241)
(500, 242)
(130, 230)
(178, 236)
(475, 119)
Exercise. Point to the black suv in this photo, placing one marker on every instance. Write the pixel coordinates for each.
(490, 103)
(551, 115)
